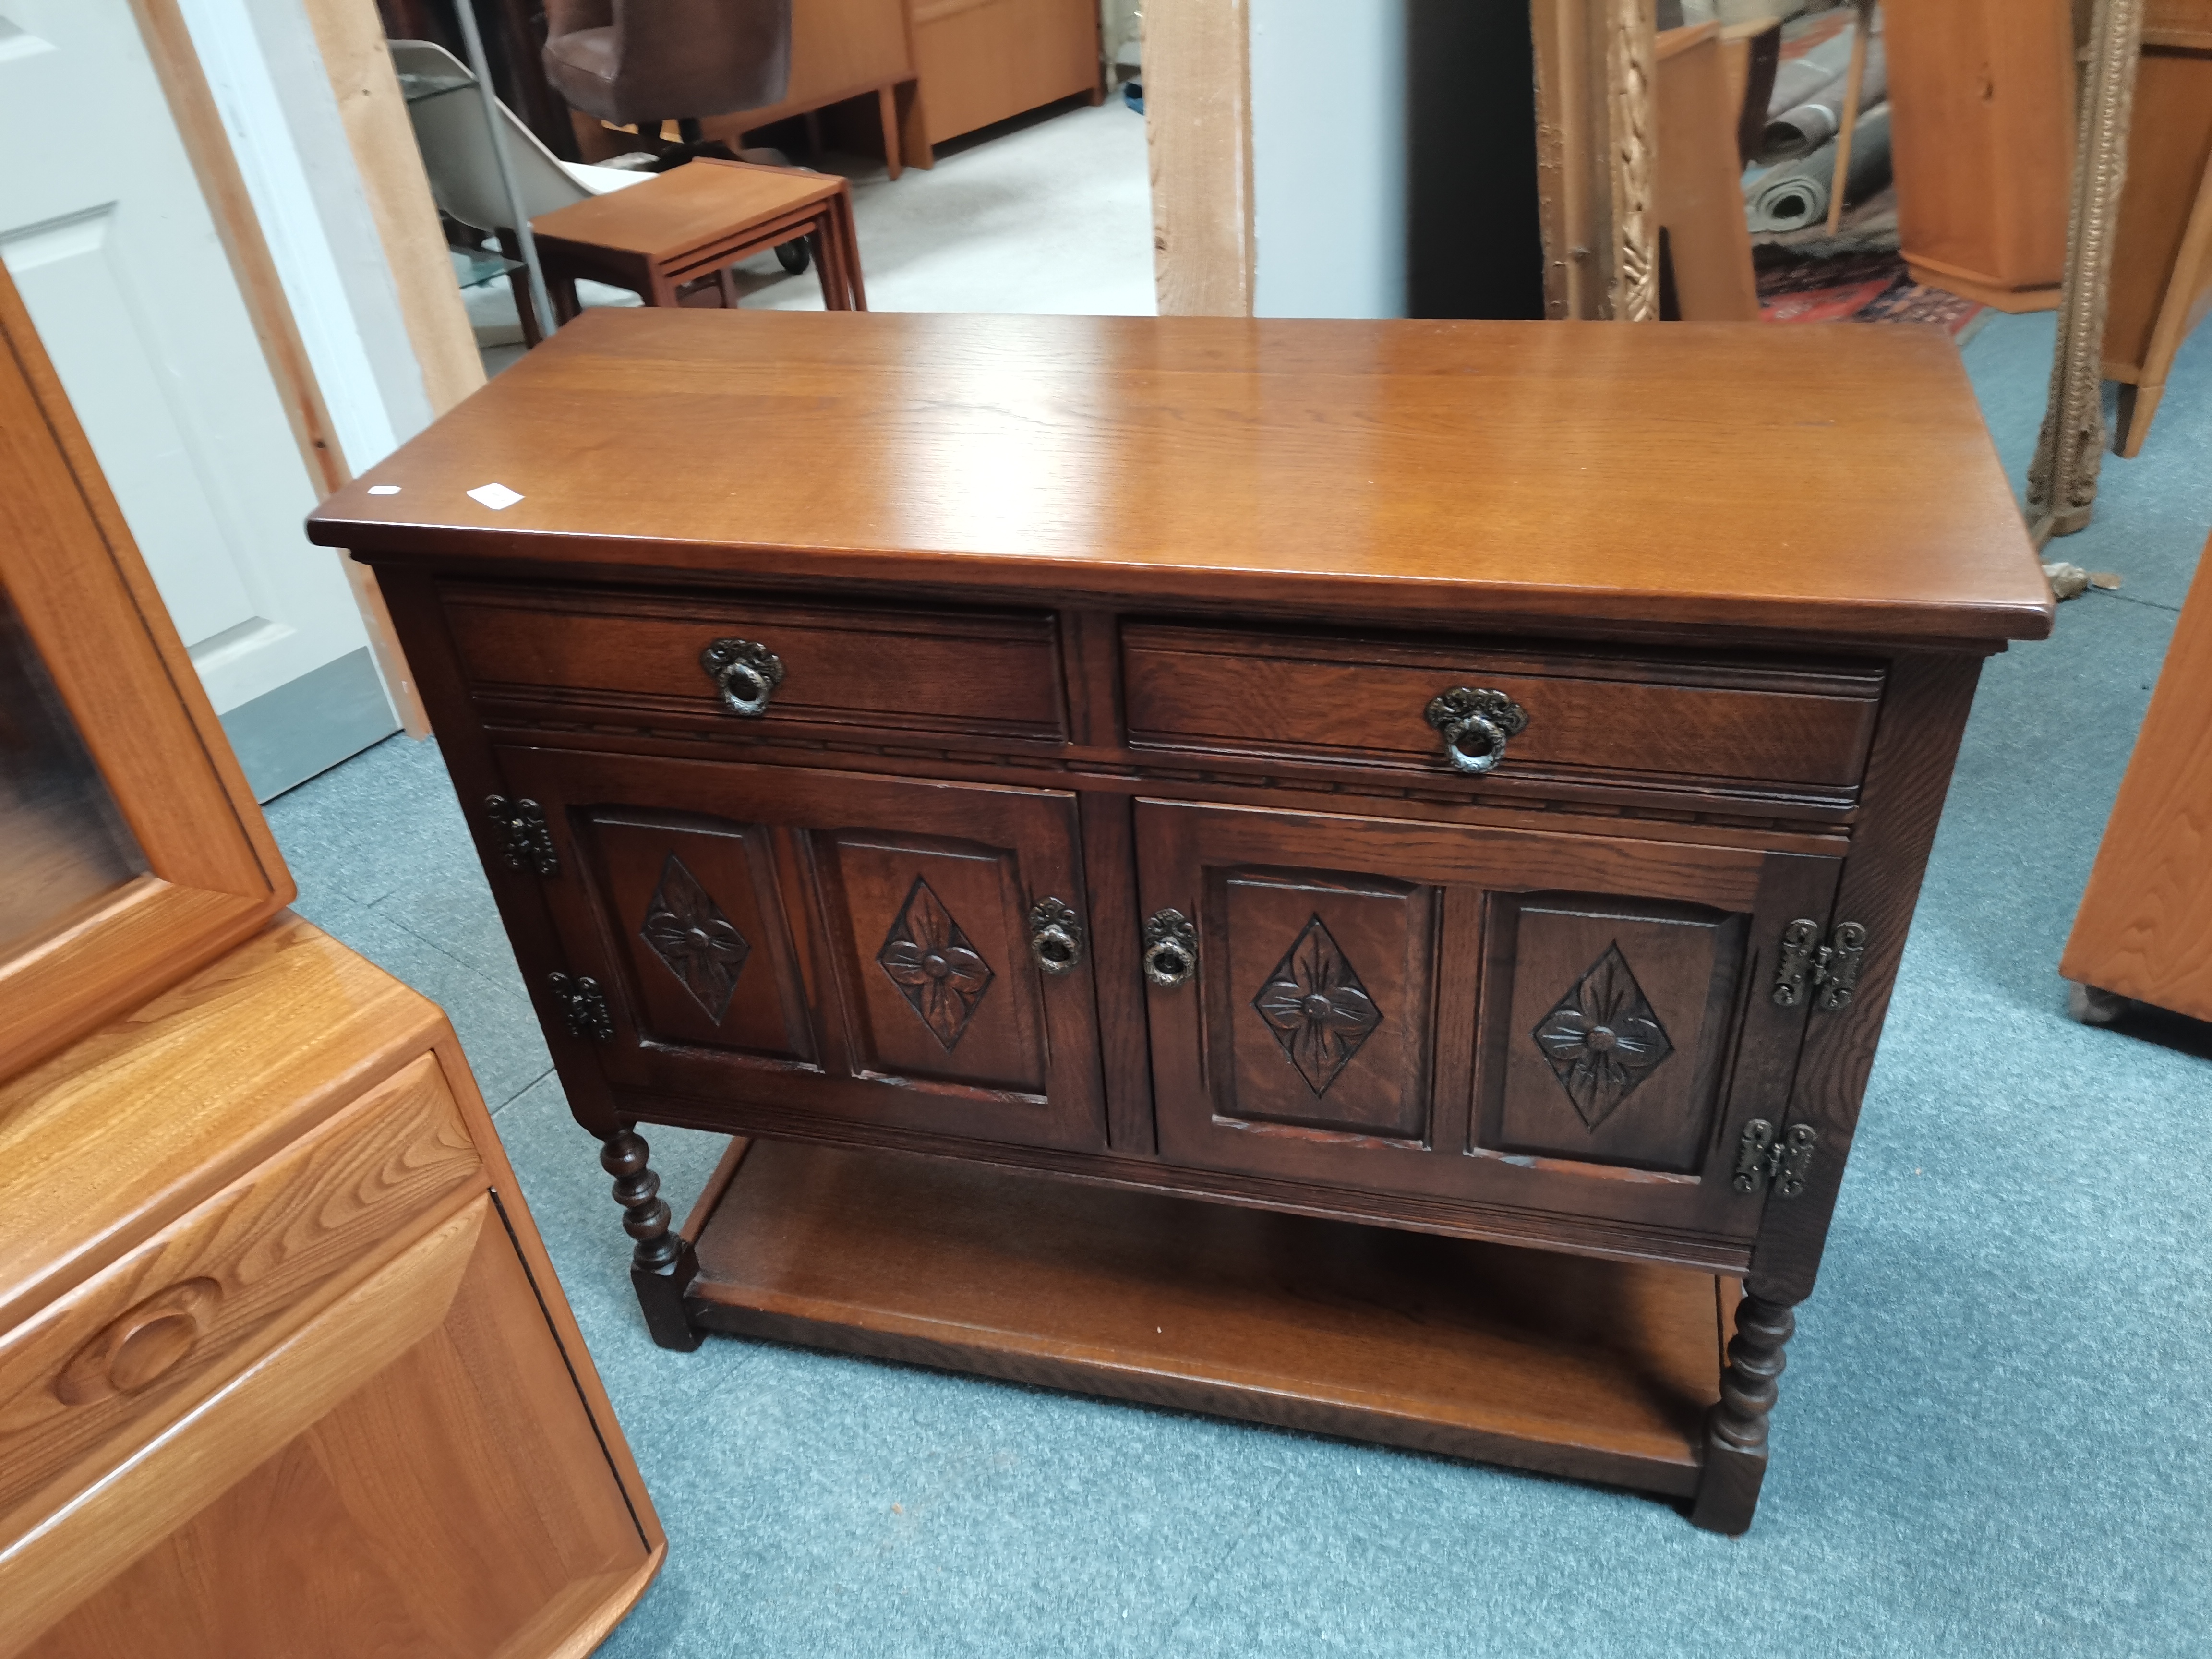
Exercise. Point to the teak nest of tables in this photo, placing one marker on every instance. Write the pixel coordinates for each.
(1414, 785)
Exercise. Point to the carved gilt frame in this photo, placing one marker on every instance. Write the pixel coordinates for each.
(2062, 481)
(1595, 60)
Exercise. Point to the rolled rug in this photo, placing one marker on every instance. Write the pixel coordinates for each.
(1808, 76)
(1802, 130)
(1796, 194)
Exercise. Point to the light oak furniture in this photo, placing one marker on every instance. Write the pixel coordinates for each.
(290, 1373)
(1365, 776)
(133, 852)
(1706, 273)
(2144, 930)
(683, 229)
(1981, 112)
(984, 61)
(2162, 272)
(283, 1366)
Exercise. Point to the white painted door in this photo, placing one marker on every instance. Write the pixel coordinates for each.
(107, 237)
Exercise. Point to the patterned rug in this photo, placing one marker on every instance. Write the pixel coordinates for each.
(1864, 287)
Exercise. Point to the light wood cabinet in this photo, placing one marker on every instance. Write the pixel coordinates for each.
(284, 1368)
(1981, 101)
(293, 1375)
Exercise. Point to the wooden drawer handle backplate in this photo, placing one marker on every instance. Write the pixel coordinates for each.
(1475, 725)
(141, 1345)
(746, 673)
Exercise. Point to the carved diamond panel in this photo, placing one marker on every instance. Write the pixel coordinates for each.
(686, 929)
(937, 970)
(1602, 1039)
(1316, 1007)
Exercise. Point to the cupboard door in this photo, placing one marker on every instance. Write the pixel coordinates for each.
(1553, 1022)
(413, 1471)
(775, 940)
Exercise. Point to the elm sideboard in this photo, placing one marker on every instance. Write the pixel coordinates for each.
(1343, 874)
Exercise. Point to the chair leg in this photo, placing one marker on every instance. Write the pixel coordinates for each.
(518, 284)
(849, 237)
(725, 280)
(2138, 404)
(887, 112)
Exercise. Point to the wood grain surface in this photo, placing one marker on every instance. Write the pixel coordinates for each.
(2144, 929)
(414, 1468)
(1573, 1367)
(1470, 468)
(247, 1055)
(251, 1254)
(686, 208)
(1981, 98)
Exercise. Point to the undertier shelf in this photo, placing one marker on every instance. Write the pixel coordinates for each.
(1597, 1371)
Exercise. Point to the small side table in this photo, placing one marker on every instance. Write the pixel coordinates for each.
(663, 236)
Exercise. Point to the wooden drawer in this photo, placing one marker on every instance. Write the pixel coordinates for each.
(936, 674)
(190, 1305)
(1764, 727)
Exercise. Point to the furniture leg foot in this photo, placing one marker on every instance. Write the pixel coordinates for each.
(661, 1267)
(1736, 1428)
(2138, 404)
(2093, 1006)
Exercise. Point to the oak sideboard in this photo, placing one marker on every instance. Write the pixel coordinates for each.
(1346, 874)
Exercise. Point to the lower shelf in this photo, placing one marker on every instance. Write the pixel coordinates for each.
(1597, 1370)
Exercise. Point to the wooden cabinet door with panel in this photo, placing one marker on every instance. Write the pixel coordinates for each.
(774, 939)
(1574, 1023)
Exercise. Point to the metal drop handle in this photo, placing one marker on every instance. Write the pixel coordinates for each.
(1056, 936)
(746, 673)
(1170, 949)
(1475, 725)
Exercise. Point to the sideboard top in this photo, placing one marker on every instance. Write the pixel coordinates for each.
(1827, 480)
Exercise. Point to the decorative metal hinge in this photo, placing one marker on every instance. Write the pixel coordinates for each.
(583, 1007)
(1834, 968)
(1762, 1159)
(528, 842)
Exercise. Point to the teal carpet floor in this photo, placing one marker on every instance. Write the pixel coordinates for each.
(1995, 1434)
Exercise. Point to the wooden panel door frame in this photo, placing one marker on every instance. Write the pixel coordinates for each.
(1476, 874)
(69, 564)
(823, 1062)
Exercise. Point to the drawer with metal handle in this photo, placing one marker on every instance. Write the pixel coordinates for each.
(1784, 732)
(727, 667)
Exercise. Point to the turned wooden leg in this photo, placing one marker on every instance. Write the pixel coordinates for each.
(662, 1268)
(1736, 1429)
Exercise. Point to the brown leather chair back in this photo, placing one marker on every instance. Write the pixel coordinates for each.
(630, 61)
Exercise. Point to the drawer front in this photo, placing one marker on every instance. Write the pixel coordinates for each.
(1739, 728)
(187, 1308)
(921, 675)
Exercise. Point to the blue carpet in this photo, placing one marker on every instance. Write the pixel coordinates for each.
(1993, 1433)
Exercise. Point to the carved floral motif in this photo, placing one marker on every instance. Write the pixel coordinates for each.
(1316, 1007)
(1602, 1039)
(937, 970)
(686, 929)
